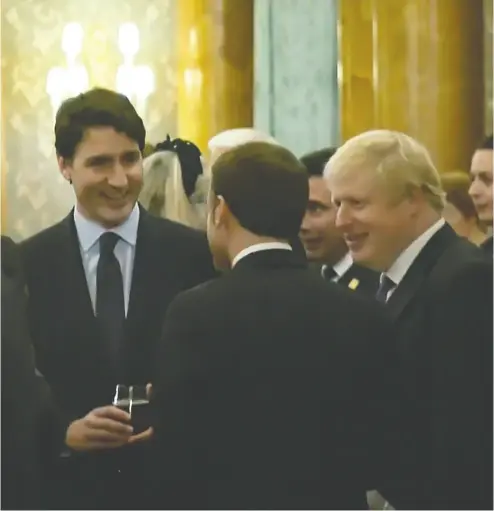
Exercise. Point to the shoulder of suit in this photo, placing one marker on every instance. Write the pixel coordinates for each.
(166, 228)
(459, 260)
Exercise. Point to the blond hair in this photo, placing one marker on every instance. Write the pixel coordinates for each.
(163, 192)
(401, 161)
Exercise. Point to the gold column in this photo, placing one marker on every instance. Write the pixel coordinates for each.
(3, 155)
(215, 61)
(355, 67)
(427, 73)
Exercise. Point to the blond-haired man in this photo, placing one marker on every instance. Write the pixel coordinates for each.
(438, 287)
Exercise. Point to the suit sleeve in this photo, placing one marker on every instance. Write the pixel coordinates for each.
(178, 388)
(461, 353)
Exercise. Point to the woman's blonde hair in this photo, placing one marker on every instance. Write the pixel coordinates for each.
(401, 161)
(163, 191)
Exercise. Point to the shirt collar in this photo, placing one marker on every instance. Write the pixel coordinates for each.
(402, 264)
(258, 247)
(343, 265)
(89, 231)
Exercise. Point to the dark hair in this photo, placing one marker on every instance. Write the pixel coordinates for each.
(316, 161)
(189, 156)
(487, 143)
(456, 185)
(265, 186)
(97, 107)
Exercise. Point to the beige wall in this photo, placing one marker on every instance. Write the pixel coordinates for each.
(31, 36)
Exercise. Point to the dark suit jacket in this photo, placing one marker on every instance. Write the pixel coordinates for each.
(272, 391)
(357, 278)
(444, 310)
(69, 351)
(487, 246)
(366, 281)
(29, 428)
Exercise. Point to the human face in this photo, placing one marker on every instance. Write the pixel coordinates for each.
(375, 228)
(321, 239)
(481, 187)
(106, 173)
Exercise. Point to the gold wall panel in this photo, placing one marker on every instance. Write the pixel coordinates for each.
(215, 73)
(31, 43)
(355, 69)
(427, 74)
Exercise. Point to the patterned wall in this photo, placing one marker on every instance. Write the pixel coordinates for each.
(31, 45)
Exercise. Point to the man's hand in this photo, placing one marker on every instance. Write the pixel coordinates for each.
(102, 428)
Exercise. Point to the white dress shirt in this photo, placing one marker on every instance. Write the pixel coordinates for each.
(400, 267)
(258, 247)
(340, 268)
(89, 233)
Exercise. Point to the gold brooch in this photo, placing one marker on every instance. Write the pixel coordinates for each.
(354, 283)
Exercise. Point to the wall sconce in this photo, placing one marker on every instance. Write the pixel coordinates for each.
(137, 82)
(71, 80)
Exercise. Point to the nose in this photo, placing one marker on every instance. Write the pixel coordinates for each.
(474, 189)
(343, 216)
(118, 177)
(305, 223)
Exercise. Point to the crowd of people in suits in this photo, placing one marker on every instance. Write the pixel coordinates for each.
(308, 330)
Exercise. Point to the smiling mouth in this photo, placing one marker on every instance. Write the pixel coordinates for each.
(354, 240)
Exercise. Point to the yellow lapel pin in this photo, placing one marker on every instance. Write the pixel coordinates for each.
(354, 283)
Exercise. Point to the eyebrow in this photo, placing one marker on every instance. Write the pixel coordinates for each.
(106, 158)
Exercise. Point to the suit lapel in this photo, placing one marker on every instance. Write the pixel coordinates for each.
(419, 270)
(74, 285)
(143, 273)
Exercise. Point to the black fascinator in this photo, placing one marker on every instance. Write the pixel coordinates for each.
(189, 156)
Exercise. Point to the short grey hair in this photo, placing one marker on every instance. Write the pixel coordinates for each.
(400, 160)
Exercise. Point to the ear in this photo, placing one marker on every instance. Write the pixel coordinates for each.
(65, 168)
(221, 212)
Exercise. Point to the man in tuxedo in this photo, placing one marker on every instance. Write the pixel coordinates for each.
(100, 282)
(481, 187)
(323, 243)
(30, 428)
(438, 288)
(268, 393)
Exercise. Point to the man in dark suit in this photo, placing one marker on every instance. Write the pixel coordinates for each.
(268, 393)
(438, 288)
(29, 423)
(100, 282)
(481, 187)
(324, 245)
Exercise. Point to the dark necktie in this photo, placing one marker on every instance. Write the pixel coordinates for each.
(329, 273)
(110, 305)
(385, 286)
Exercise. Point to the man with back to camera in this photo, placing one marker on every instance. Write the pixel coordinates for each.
(230, 139)
(100, 282)
(268, 394)
(438, 288)
(481, 187)
(324, 245)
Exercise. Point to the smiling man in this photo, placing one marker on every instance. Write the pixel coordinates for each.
(323, 243)
(100, 282)
(438, 288)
